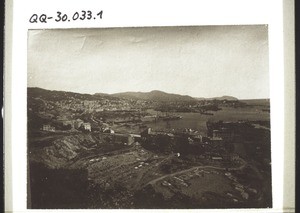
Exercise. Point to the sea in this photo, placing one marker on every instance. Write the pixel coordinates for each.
(197, 121)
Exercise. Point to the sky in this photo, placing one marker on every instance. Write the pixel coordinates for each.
(200, 61)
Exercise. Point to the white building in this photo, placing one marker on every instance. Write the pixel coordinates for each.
(108, 130)
(87, 126)
(49, 128)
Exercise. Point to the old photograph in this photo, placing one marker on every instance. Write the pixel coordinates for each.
(173, 117)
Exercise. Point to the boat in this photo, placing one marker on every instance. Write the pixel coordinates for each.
(206, 113)
(149, 118)
(171, 117)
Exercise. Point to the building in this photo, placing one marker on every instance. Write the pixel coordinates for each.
(135, 135)
(149, 118)
(231, 157)
(49, 128)
(222, 133)
(77, 123)
(87, 126)
(193, 134)
(130, 140)
(108, 130)
(146, 132)
(216, 141)
(67, 122)
(216, 158)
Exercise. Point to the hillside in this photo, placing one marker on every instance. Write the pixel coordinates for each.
(154, 95)
(228, 98)
(257, 102)
(54, 95)
(225, 97)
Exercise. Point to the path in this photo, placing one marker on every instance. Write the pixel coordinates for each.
(196, 167)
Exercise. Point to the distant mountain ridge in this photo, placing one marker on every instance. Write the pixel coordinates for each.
(55, 95)
(225, 97)
(154, 95)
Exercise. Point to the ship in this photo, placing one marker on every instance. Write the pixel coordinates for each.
(149, 118)
(171, 117)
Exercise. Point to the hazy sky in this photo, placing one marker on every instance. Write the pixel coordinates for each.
(204, 61)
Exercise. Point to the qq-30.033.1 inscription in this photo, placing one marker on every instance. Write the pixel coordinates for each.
(83, 15)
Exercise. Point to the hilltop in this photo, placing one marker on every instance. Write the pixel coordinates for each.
(55, 95)
(222, 98)
(154, 95)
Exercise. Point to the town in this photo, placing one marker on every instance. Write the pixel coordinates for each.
(132, 151)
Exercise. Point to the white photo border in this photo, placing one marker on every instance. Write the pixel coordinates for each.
(134, 13)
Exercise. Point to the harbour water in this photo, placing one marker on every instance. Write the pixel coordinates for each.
(197, 121)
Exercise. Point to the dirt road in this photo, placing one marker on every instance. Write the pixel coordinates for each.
(196, 167)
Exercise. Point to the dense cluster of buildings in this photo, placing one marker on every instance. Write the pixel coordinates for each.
(73, 124)
(226, 131)
(48, 128)
(93, 105)
(100, 105)
(211, 147)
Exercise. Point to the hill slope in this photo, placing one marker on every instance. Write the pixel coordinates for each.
(54, 95)
(154, 95)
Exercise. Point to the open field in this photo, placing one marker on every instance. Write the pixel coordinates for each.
(195, 184)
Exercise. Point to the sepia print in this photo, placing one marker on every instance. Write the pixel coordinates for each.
(149, 117)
